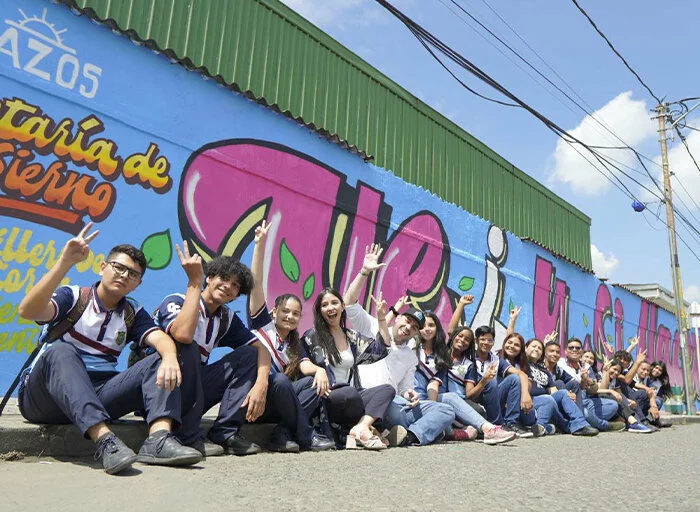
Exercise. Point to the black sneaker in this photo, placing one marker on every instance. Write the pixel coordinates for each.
(206, 448)
(236, 444)
(319, 443)
(661, 422)
(281, 441)
(115, 455)
(650, 426)
(586, 431)
(518, 430)
(162, 448)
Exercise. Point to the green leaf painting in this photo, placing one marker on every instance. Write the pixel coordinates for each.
(289, 264)
(585, 320)
(610, 339)
(308, 288)
(510, 305)
(158, 249)
(466, 283)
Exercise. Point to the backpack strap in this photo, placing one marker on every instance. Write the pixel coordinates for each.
(129, 314)
(61, 327)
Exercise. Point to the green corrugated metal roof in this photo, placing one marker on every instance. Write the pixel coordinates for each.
(266, 50)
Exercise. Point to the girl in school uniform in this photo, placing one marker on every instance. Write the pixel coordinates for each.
(432, 382)
(565, 416)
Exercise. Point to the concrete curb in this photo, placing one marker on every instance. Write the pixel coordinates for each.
(17, 434)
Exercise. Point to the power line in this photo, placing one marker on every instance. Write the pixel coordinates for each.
(600, 33)
(427, 39)
(584, 109)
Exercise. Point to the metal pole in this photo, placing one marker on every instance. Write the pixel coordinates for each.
(662, 111)
(695, 313)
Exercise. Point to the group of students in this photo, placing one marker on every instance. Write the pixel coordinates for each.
(394, 378)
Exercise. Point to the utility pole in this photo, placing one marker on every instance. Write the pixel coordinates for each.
(662, 111)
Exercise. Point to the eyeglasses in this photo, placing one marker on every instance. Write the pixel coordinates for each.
(123, 269)
(573, 349)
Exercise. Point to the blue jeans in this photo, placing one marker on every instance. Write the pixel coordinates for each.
(543, 410)
(508, 400)
(567, 416)
(427, 420)
(598, 411)
(464, 413)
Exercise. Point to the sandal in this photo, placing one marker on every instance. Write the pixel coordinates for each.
(371, 443)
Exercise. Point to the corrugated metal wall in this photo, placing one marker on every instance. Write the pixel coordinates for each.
(263, 48)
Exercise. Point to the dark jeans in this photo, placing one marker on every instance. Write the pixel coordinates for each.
(59, 390)
(346, 405)
(291, 404)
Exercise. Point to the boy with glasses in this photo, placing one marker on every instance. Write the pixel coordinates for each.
(74, 379)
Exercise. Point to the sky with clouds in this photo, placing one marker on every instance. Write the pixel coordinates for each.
(626, 247)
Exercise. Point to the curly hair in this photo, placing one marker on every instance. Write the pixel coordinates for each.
(227, 267)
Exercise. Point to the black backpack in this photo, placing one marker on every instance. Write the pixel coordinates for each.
(54, 330)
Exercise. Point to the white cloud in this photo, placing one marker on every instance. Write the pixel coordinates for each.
(603, 266)
(692, 293)
(325, 13)
(628, 118)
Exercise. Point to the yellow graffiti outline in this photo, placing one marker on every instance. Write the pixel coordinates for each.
(243, 228)
(341, 225)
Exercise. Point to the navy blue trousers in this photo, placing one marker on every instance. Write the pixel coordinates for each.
(60, 390)
(292, 404)
(225, 382)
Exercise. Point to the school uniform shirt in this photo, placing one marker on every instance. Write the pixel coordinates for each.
(477, 370)
(206, 332)
(398, 368)
(559, 374)
(653, 384)
(426, 366)
(263, 327)
(540, 378)
(426, 372)
(100, 334)
(457, 375)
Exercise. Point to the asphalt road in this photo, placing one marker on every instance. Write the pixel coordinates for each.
(614, 471)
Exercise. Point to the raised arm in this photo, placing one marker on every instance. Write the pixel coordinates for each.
(257, 294)
(36, 305)
(369, 265)
(395, 310)
(629, 376)
(464, 300)
(380, 305)
(512, 317)
(184, 325)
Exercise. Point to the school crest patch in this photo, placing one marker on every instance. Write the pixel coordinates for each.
(120, 338)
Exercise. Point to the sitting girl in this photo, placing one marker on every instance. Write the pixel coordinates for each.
(434, 381)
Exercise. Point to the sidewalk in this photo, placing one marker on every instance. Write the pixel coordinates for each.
(18, 435)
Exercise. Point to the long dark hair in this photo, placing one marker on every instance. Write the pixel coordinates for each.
(323, 334)
(293, 343)
(440, 349)
(665, 389)
(594, 366)
(471, 350)
(521, 358)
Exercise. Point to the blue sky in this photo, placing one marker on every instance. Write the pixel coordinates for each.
(629, 247)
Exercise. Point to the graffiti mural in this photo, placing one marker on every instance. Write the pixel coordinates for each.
(94, 128)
